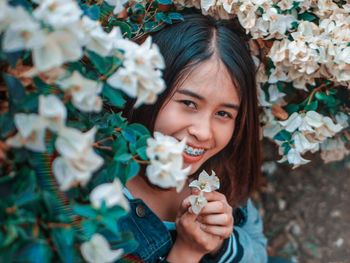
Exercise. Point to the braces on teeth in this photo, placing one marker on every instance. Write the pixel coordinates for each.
(193, 152)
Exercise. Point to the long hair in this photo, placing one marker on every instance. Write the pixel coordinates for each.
(185, 45)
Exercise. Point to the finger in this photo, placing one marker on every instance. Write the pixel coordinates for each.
(223, 232)
(216, 207)
(215, 196)
(216, 219)
(184, 206)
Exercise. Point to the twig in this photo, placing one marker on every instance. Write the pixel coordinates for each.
(314, 91)
(102, 140)
(103, 147)
(140, 161)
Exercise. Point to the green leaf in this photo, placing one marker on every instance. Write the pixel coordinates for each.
(307, 17)
(291, 108)
(286, 147)
(142, 152)
(13, 57)
(35, 251)
(98, 61)
(132, 169)
(122, 157)
(110, 223)
(85, 210)
(11, 235)
(89, 228)
(116, 212)
(129, 134)
(16, 90)
(115, 96)
(283, 135)
(116, 120)
(321, 95)
(125, 28)
(312, 106)
(6, 124)
(139, 129)
(175, 16)
(91, 11)
(63, 240)
(116, 170)
(162, 17)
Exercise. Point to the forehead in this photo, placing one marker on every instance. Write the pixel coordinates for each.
(210, 79)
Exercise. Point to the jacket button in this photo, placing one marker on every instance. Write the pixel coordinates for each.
(140, 211)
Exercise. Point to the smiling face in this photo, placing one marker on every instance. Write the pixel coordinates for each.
(202, 109)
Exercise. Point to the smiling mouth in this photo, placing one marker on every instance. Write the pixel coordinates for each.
(192, 154)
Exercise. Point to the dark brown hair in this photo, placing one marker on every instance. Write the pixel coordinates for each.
(186, 44)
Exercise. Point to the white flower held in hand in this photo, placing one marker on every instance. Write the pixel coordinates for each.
(205, 183)
(97, 250)
(165, 154)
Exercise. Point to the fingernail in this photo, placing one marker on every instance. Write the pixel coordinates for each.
(203, 226)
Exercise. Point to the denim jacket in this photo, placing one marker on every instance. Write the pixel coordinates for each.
(246, 244)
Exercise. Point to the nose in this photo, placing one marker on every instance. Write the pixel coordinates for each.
(201, 129)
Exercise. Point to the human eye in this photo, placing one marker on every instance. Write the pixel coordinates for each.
(224, 114)
(189, 104)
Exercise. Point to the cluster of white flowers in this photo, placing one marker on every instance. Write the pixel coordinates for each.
(84, 92)
(140, 75)
(205, 183)
(309, 131)
(57, 32)
(165, 154)
(77, 161)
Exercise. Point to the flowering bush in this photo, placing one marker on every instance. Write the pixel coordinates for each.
(66, 151)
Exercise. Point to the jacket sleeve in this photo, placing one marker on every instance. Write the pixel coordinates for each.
(247, 243)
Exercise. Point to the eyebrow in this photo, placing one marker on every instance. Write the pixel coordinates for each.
(199, 97)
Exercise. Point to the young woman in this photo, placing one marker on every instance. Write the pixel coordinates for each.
(211, 101)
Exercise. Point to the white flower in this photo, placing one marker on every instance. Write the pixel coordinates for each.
(58, 13)
(119, 5)
(61, 46)
(197, 203)
(24, 33)
(302, 144)
(293, 157)
(274, 93)
(98, 40)
(206, 182)
(53, 110)
(167, 175)
(165, 154)
(97, 250)
(163, 147)
(140, 76)
(207, 4)
(78, 160)
(303, 122)
(31, 132)
(111, 193)
(84, 92)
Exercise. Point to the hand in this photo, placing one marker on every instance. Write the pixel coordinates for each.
(192, 242)
(216, 217)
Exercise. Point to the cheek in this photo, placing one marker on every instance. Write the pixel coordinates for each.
(224, 136)
(165, 120)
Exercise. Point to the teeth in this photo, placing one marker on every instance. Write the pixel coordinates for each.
(193, 151)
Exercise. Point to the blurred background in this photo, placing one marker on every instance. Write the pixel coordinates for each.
(306, 211)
